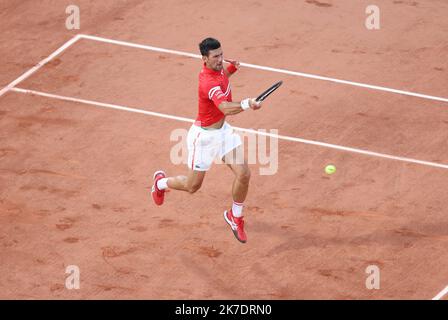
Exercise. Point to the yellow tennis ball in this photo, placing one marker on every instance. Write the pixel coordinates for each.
(330, 169)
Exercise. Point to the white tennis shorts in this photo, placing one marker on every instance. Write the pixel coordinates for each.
(205, 146)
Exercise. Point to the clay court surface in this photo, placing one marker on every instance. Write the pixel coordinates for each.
(75, 178)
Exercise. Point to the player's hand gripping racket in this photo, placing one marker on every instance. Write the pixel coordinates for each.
(269, 91)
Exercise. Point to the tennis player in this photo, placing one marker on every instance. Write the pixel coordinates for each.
(211, 137)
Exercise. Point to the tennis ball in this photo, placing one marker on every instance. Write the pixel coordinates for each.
(330, 169)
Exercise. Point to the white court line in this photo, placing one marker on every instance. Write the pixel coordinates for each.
(101, 104)
(39, 65)
(441, 294)
(293, 73)
(281, 137)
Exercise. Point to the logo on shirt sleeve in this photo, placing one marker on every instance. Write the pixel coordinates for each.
(215, 91)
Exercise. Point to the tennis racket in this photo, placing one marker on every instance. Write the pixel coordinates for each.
(269, 91)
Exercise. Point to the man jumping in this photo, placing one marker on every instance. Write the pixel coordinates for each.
(211, 137)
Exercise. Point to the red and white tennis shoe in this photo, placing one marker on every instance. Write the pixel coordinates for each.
(237, 225)
(158, 195)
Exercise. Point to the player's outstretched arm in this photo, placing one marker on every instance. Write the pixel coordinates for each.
(231, 108)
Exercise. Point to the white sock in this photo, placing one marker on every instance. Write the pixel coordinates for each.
(162, 184)
(237, 209)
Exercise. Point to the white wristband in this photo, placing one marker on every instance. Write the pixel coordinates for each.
(245, 104)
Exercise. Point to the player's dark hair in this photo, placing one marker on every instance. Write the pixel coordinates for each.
(208, 44)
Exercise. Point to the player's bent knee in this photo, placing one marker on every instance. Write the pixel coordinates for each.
(244, 175)
(193, 188)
